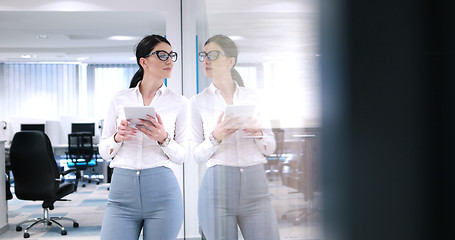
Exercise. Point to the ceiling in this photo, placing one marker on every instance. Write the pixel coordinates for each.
(268, 29)
(74, 36)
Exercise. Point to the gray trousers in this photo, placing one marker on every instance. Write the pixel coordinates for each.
(148, 200)
(236, 196)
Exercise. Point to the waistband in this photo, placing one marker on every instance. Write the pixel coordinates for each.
(143, 172)
(247, 169)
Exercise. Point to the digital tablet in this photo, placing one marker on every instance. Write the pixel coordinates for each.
(133, 114)
(240, 111)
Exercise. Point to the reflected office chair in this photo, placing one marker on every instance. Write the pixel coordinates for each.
(274, 160)
(37, 177)
(300, 174)
(81, 155)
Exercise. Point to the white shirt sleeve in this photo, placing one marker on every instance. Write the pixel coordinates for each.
(267, 143)
(107, 146)
(177, 150)
(200, 146)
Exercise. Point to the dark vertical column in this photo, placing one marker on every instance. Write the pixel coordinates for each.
(388, 116)
(441, 38)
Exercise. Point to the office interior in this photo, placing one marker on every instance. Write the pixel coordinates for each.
(56, 78)
(382, 177)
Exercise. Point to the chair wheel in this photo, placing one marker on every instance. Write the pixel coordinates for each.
(49, 223)
(26, 235)
(97, 183)
(83, 185)
(18, 228)
(75, 224)
(63, 232)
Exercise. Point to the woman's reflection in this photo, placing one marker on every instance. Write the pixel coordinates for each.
(234, 192)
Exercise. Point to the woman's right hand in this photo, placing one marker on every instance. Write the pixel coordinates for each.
(226, 127)
(124, 132)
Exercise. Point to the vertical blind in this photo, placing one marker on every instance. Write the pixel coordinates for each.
(38, 90)
(48, 91)
(103, 81)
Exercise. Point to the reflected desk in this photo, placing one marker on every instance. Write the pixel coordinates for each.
(302, 170)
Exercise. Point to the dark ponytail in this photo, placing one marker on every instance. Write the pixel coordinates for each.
(144, 47)
(137, 77)
(236, 77)
(230, 48)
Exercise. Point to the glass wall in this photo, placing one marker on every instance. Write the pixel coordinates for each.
(278, 54)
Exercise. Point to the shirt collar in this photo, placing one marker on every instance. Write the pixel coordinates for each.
(215, 90)
(160, 90)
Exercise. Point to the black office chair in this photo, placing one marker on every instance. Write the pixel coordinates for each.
(37, 177)
(81, 155)
(9, 195)
(300, 174)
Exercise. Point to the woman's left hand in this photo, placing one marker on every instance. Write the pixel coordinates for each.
(253, 129)
(153, 128)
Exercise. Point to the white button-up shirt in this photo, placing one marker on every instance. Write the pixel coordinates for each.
(141, 152)
(238, 149)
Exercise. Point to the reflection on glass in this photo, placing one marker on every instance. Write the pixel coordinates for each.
(278, 58)
(231, 139)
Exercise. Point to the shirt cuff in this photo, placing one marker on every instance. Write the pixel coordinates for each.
(175, 152)
(113, 144)
(209, 147)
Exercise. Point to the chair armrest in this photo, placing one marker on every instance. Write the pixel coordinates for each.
(67, 172)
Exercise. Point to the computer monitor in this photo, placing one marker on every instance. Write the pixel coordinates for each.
(34, 127)
(83, 127)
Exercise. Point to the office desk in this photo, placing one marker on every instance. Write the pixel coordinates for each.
(3, 208)
(60, 153)
(61, 149)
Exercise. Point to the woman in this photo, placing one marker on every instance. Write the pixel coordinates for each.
(233, 191)
(144, 192)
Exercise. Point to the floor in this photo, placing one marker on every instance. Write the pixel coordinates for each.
(87, 205)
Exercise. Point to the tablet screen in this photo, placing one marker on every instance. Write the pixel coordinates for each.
(132, 114)
(240, 111)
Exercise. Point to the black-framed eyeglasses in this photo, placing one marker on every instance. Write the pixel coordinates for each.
(212, 55)
(163, 55)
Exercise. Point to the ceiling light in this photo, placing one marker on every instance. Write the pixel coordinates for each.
(82, 58)
(26, 56)
(122, 38)
(41, 36)
(236, 38)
